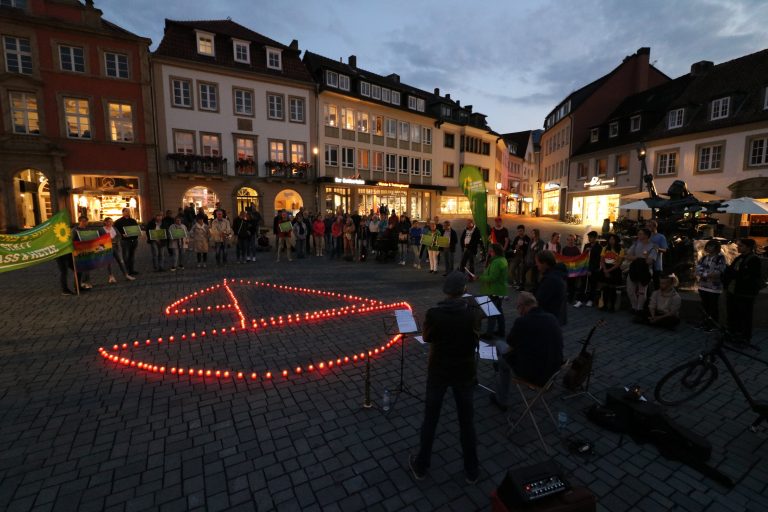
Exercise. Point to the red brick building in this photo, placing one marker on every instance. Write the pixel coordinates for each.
(75, 105)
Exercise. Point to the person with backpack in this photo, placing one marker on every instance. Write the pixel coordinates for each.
(641, 257)
(743, 281)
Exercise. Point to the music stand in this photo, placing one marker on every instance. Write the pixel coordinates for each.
(404, 324)
(487, 309)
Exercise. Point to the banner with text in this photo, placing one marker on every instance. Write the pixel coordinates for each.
(42, 243)
(473, 186)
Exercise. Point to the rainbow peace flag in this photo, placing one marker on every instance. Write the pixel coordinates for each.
(93, 254)
(577, 266)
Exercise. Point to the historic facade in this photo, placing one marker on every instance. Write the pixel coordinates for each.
(75, 105)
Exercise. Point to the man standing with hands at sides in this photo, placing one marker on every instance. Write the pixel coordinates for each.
(500, 235)
(470, 241)
(517, 251)
(449, 251)
(451, 329)
(129, 242)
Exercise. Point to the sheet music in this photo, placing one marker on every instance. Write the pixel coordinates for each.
(405, 321)
(486, 306)
(487, 351)
(420, 339)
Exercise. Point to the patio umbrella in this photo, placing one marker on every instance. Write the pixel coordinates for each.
(743, 205)
(636, 196)
(635, 205)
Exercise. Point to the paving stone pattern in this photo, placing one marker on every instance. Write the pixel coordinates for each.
(79, 433)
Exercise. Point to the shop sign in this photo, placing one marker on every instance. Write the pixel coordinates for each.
(551, 186)
(349, 181)
(527, 199)
(391, 184)
(599, 184)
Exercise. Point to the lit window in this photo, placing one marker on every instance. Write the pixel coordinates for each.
(274, 59)
(395, 98)
(720, 108)
(448, 170)
(347, 118)
(378, 161)
(120, 122)
(613, 129)
(277, 150)
(348, 158)
(376, 92)
(634, 123)
(365, 89)
(275, 108)
(363, 156)
(24, 113)
(296, 106)
(244, 148)
(378, 125)
(601, 166)
(416, 133)
(242, 51)
(211, 144)
(298, 152)
(77, 117)
(666, 163)
(72, 58)
(594, 134)
(205, 44)
(331, 115)
(208, 97)
(182, 93)
(362, 122)
(243, 102)
(18, 55)
(622, 163)
(710, 158)
(184, 142)
(675, 118)
(344, 82)
(116, 65)
(331, 155)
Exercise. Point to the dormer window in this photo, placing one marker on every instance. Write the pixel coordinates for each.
(242, 51)
(675, 118)
(395, 98)
(446, 111)
(386, 95)
(376, 92)
(765, 98)
(412, 102)
(420, 104)
(365, 89)
(613, 129)
(720, 108)
(594, 135)
(205, 44)
(274, 59)
(344, 82)
(331, 79)
(634, 123)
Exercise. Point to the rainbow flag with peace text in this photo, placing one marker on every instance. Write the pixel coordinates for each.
(93, 254)
(577, 266)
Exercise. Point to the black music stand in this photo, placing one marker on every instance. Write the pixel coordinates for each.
(487, 309)
(403, 324)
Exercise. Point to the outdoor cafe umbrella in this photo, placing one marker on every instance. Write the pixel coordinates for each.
(743, 205)
(645, 204)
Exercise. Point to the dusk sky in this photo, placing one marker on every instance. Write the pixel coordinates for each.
(512, 60)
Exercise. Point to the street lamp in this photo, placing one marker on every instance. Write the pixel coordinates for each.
(645, 177)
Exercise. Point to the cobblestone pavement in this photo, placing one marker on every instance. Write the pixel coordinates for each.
(80, 433)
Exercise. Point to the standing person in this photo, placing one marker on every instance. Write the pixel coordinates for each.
(221, 234)
(450, 251)
(84, 277)
(588, 294)
(533, 349)
(199, 236)
(709, 273)
(128, 242)
(156, 246)
(554, 244)
(571, 250)
(432, 249)
(414, 240)
(451, 329)
(500, 235)
(283, 235)
(318, 233)
(189, 215)
(660, 241)
(641, 256)
(610, 267)
(743, 281)
(534, 248)
(337, 234)
(349, 239)
(403, 229)
(470, 241)
(300, 233)
(116, 251)
(494, 284)
(254, 220)
(517, 252)
(242, 230)
(373, 232)
(328, 221)
(551, 292)
(176, 245)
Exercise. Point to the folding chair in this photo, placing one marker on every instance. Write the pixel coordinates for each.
(538, 397)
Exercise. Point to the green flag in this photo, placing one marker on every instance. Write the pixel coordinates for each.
(44, 242)
(473, 186)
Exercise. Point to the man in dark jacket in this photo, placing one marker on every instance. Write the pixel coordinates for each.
(552, 290)
(451, 249)
(742, 280)
(533, 350)
(470, 241)
(451, 329)
(129, 242)
(588, 284)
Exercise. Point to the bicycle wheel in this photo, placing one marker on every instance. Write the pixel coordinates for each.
(685, 382)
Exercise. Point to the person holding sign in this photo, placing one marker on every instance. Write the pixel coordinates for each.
(116, 251)
(82, 232)
(157, 238)
(429, 239)
(130, 231)
(494, 284)
(283, 234)
(177, 234)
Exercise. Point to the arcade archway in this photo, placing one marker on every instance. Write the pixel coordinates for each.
(288, 200)
(247, 197)
(33, 198)
(201, 197)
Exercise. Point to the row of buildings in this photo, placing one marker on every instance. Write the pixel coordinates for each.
(94, 122)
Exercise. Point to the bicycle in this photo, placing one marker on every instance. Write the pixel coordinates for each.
(691, 379)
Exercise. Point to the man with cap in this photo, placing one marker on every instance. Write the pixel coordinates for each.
(451, 329)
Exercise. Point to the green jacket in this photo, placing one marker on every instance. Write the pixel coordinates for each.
(494, 279)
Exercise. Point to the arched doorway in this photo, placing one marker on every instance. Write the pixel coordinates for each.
(33, 197)
(201, 197)
(247, 197)
(289, 200)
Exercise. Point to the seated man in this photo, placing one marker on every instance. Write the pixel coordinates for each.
(533, 350)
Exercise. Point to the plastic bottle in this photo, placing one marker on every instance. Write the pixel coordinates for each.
(562, 420)
(385, 400)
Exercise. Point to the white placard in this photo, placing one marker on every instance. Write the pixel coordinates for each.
(487, 351)
(405, 321)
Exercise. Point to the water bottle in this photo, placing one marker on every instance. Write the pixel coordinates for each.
(562, 420)
(385, 400)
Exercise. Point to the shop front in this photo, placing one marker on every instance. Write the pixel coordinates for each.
(98, 197)
(550, 199)
(32, 192)
(362, 196)
(598, 202)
